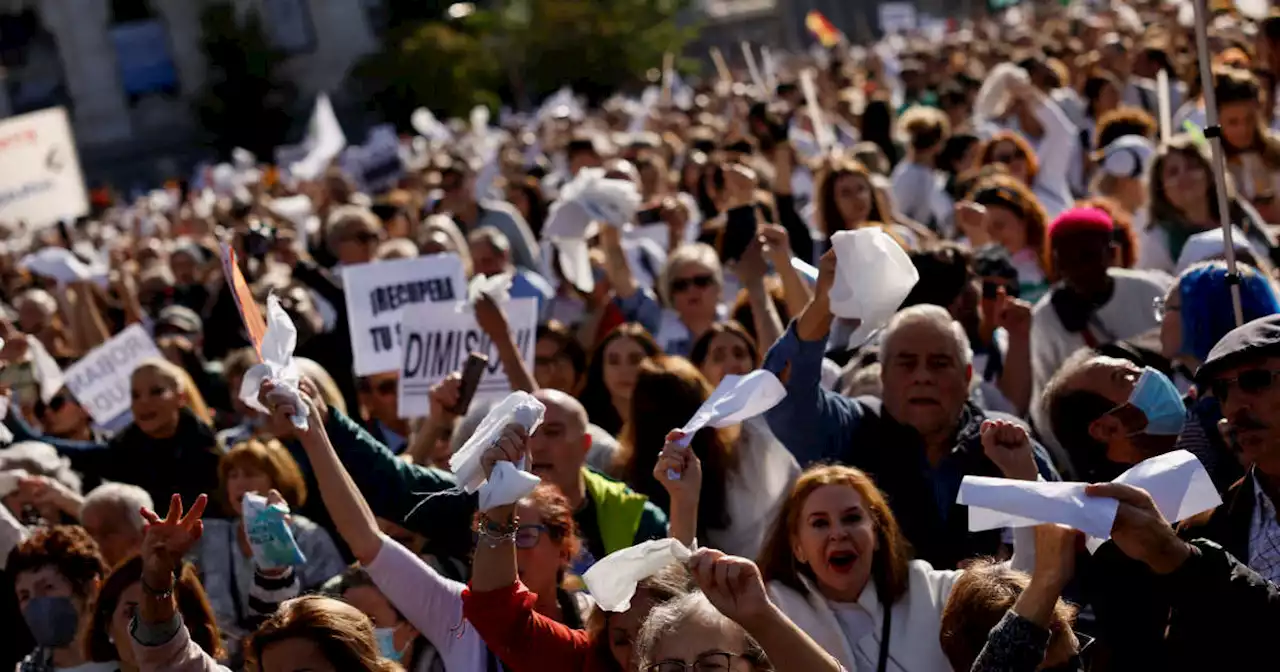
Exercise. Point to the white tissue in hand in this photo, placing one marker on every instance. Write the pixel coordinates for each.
(508, 483)
(606, 200)
(62, 265)
(1176, 481)
(612, 581)
(497, 287)
(873, 276)
(277, 365)
(735, 399)
(574, 257)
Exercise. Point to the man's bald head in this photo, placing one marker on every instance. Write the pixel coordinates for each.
(566, 403)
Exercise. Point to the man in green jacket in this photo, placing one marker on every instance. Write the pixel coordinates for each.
(428, 501)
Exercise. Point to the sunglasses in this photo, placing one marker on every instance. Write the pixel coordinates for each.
(699, 281)
(1249, 382)
(55, 404)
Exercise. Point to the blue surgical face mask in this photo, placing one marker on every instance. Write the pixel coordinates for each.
(387, 643)
(53, 621)
(1160, 402)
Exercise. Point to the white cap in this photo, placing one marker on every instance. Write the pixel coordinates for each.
(1127, 156)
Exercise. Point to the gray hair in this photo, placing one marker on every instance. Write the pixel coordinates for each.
(933, 315)
(129, 499)
(666, 619)
(40, 459)
(690, 253)
(491, 237)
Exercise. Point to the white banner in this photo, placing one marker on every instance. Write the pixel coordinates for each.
(100, 380)
(377, 294)
(897, 17)
(439, 338)
(40, 179)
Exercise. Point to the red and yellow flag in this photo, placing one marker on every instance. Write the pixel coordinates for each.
(822, 29)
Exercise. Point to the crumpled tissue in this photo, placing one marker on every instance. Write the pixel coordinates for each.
(612, 581)
(735, 399)
(508, 482)
(63, 265)
(496, 287)
(873, 276)
(277, 365)
(270, 538)
(1176, 481)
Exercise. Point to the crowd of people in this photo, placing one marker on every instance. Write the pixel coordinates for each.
(1069, 253)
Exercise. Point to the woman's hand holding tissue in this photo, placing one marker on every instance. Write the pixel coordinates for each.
(283, 404)
(734, 585)
(1007, 445)
(679, 471)
(1140, 531)
(510, 447)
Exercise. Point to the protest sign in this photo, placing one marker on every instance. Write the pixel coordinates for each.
(439, 337)
(40, 179)
(376, 165)
(897, 17)
(100, 380)
(377, 294)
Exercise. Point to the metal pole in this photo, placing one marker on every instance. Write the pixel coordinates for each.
(1214, 134)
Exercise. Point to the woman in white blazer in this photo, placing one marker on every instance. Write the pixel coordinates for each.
(836, 557)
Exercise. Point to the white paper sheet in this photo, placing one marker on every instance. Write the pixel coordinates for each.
(612, 581)
(873, 276)
(735, 399)
(1177, 482)
(62, 265)
(508, 482)
(278, 365)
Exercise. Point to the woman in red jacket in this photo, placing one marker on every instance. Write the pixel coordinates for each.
(502, 609)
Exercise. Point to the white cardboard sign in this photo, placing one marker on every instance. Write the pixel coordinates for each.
(377, 295)
(100, 380)
(40, 179)
(438, 338)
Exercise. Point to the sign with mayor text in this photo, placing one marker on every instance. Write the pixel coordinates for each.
(40, 179)
(100, 380)
(378, 294)
(439, 338)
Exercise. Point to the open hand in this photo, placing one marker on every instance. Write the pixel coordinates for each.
(1007, 444)
(679, 461)
(166, 541)
(734, 585)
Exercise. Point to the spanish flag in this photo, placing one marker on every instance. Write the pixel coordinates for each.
(822, 29)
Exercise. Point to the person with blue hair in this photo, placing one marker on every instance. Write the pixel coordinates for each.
(1195, 315)
(1198, 310)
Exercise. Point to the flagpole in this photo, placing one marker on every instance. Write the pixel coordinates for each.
(1214, 134)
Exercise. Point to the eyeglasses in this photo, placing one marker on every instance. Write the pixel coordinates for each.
(55, 404)
(1161, 308)
(707, 662)
(699, 281)
(528, 536)
(1249, 382)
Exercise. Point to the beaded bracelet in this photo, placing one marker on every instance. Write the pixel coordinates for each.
(495, 533)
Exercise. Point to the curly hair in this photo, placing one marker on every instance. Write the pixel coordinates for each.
(68, 549)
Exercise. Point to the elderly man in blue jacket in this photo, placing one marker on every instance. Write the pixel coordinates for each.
(918, 442)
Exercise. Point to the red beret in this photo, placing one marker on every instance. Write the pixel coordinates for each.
(1082, 219)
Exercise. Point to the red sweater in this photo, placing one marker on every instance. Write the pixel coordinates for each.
(525, 640)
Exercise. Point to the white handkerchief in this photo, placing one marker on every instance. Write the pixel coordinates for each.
(1176, 481)
(277, 365)
(607, 200)
(873, 276)
(574, 257)
(735, 399)
(508, 483)
(612, 581)
(62, 265)
(497, 287)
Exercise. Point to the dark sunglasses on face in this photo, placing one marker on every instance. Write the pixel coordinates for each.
(1249, 382)
(55, 404)
(699, 281)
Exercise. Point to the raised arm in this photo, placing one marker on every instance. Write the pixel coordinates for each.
(493, 320)
(813, 423)
(751, 270)
(735, 587)
(680, 472)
